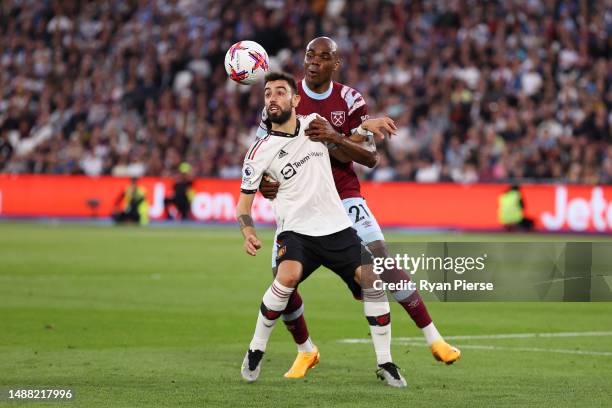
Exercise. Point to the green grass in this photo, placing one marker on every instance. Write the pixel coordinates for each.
(162, 317)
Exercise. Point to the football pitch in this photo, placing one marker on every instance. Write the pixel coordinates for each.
(147, 317)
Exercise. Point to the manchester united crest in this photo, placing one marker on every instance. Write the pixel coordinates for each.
(338, 118)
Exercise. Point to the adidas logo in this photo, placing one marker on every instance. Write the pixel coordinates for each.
(282, 154)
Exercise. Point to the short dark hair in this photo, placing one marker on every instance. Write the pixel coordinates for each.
(282, 76)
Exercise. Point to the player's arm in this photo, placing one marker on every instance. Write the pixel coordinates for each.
(370, 131)
(245, 221)
(341, 156)
(376, 128)
(320, 130)
(256, 161)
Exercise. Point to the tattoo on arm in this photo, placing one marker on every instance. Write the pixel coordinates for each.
(245, 221)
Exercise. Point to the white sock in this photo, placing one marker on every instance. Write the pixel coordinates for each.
(431, 333)
(306, 347)
(275, 299)
(263, 330)
(381, 337)
(375, 304)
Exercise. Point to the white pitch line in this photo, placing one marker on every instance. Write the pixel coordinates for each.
(498, 336)
(418, 342)
(529, 349)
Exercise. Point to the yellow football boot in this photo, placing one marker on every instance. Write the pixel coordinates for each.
(303, 362)
(442, 351)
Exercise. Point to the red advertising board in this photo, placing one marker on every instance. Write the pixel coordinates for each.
(473, 206)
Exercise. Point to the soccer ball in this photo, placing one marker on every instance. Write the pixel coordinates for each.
(246, 62)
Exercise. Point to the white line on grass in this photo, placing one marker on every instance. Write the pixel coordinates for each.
(530, 349)
(497, 336)
(418, 341)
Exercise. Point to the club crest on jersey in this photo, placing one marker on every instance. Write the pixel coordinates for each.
(338, 118)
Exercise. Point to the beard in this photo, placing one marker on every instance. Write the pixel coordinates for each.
(279, 117)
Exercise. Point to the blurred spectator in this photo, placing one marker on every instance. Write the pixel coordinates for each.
(481, 91)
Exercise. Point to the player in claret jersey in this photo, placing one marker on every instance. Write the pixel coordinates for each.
(347, 118)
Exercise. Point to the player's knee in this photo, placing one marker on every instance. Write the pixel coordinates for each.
(289, 273)
(365, 276)
(358, 276)
(289, 279)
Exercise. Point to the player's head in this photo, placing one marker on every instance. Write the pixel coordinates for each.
(280, 95)
(321, 61)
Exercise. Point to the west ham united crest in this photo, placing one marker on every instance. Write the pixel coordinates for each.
(338, 118)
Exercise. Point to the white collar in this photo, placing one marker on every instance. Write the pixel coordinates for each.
(312, 94)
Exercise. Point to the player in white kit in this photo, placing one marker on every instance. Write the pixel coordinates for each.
(313, 227)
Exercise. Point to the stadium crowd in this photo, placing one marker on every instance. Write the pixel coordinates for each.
(481, 91)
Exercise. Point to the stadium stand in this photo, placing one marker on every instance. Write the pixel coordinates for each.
(481, 91)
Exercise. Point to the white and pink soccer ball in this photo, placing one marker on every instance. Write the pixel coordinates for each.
(246, 62)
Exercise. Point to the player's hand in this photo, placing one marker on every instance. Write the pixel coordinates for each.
(320, 130)
(268, 187)
(251, 245)
(381, 127)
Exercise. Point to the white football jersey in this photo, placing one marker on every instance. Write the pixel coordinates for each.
(307, 201)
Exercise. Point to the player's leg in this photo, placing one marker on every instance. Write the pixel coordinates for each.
(274, 301)
(295, 263)
(308, 354)
(293, 317)
(414, 305)
(345, 256)
(370, 233)
(378, 314)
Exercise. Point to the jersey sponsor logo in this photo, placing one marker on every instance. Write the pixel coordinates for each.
(282, 154)
(298, 163)
(338, 118)
(288, 171)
